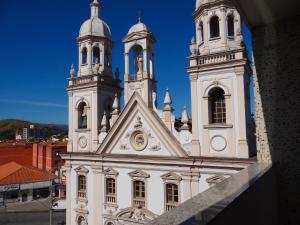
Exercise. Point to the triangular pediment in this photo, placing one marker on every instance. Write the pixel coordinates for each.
(81, 169)
(140, 131)
(110, 171)
(139, 35)
(171, 176)
(139, 173)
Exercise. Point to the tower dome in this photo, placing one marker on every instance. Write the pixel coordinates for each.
(139, 27)
(94, 26)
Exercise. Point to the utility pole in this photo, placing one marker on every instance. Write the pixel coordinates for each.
(50, 213)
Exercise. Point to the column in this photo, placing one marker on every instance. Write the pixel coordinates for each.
(94, 120)
(68, 194)
(127, 69)
(98, 190)
(205, 32)
(90, 56)
(71, 122)
(242, 149)
(145, 61)
(223, 27)
(152, 65)
(79, 60)
(196, 149)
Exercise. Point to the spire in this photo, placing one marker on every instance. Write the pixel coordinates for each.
(95, 8)
(184, 119)
(115, 106)
(140, 15)
(104, 124)
(168, 100)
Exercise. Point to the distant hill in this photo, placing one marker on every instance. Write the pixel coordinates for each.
(9, 127)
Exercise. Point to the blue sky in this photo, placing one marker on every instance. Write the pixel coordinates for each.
(39, 44)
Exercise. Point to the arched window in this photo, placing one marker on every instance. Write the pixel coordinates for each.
(136, 63)
(230, 26)
(139, 193)
(201, 32)
(217, 106)
(81, 220)
(81, 186)
(171, 196)
(84, 56)
(96, 55)
(214, 27)
(110, 223)
(82, 116)
(110, 190)
(107, 58)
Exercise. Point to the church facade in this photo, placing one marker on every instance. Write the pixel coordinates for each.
(130, 165)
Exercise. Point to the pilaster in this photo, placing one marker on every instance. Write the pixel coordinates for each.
(196, 148)
(97, 194)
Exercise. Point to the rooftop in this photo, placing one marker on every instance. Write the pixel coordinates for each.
(14, 173)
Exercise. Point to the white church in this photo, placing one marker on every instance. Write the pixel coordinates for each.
(130, 165)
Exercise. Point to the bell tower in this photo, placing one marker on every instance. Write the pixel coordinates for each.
(219, 76)
(92, 90)
(139, 63)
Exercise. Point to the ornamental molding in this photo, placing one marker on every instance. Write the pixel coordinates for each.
(215, 179)
(152, 143)
(139, 173)
(81, 169)
(171, 176)
(110, 171)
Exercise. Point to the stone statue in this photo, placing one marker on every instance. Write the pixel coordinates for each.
(139, 67)
(138, 214)
(84, 117)
(97, 66)
(72, 71)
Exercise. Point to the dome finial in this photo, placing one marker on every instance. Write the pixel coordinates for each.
(139, 16)
(95, 8)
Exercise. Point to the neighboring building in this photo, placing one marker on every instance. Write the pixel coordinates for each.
(20, 183)
(25, 134)
(46, 156)
(19, 152)
(129, 166)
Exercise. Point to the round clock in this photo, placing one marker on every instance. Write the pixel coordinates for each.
(218, 143)
(82, 141)
(139, 140)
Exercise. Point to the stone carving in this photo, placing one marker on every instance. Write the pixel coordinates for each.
(72, 71)
(138, 214)
(152, 143)
(138, 124)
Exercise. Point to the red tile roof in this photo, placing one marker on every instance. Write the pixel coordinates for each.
(14, 173)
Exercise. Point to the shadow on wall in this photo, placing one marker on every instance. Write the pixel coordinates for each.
(277, 57)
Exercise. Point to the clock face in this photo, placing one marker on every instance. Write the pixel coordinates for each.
(82, 142)
(139, 140)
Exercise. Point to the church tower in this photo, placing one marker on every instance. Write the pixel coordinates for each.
(219, 76)
(92, 90)
(139, 63)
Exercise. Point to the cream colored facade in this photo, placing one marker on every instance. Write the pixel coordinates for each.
(129, 166)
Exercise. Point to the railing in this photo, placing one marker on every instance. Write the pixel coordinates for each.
(169, 206)
(139, 203)
(217, 58)
(82, 80)
(81, 194)
(110, 199)
(248, 193)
